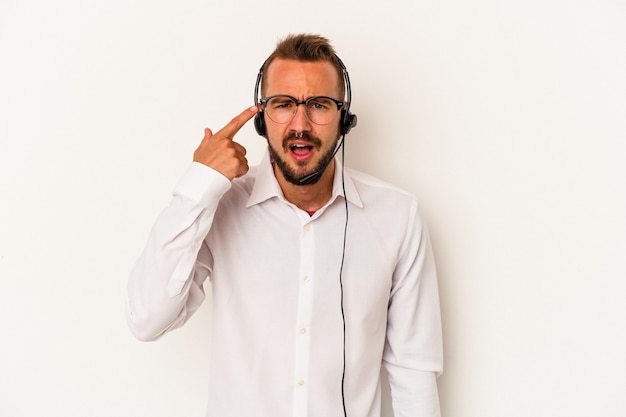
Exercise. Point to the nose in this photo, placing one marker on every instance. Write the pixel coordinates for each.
(301, 121)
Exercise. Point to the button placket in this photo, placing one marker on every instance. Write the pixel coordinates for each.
(303, 320)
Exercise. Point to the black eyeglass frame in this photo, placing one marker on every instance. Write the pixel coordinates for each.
(306, 103)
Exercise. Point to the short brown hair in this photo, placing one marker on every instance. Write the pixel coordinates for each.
(307, 48)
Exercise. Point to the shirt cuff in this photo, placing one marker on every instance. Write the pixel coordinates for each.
(202, 184)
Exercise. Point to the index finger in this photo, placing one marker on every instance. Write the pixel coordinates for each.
(230, 130)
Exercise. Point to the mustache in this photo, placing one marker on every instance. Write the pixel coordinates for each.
(305, 136)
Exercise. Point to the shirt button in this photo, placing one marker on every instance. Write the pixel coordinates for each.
(303, 330)
(196, 245)
(307, 227)
(306, 278)
(301, 382)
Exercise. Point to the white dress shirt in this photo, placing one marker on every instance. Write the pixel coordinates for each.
(277, 278)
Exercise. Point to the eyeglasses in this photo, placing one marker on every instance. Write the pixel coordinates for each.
(282, 108)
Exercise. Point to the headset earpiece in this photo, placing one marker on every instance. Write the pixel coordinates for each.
(259, 119)
(348, 121)
(259, 123)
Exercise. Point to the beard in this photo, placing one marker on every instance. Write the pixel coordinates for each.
(294, 175)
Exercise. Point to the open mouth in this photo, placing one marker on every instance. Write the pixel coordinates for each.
(300, 149)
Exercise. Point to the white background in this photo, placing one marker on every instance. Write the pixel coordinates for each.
(506, 118)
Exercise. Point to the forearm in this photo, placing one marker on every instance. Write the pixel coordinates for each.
(165, 285)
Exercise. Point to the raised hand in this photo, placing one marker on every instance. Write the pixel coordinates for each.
(220, 152)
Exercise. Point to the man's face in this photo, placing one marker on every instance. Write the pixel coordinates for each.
(295, 156)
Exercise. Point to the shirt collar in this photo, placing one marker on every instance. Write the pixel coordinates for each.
(266, 186)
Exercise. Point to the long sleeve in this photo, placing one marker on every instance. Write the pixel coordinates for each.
(165, 286)
(413, 353)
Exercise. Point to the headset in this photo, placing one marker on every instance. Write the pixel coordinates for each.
(347, 122)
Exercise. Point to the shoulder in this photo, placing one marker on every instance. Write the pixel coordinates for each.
(384, 203)
(388, 213)
(371, 188)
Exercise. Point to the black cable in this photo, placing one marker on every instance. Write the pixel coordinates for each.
(343, 255)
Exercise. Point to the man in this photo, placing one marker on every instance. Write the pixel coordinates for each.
(320, 274)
